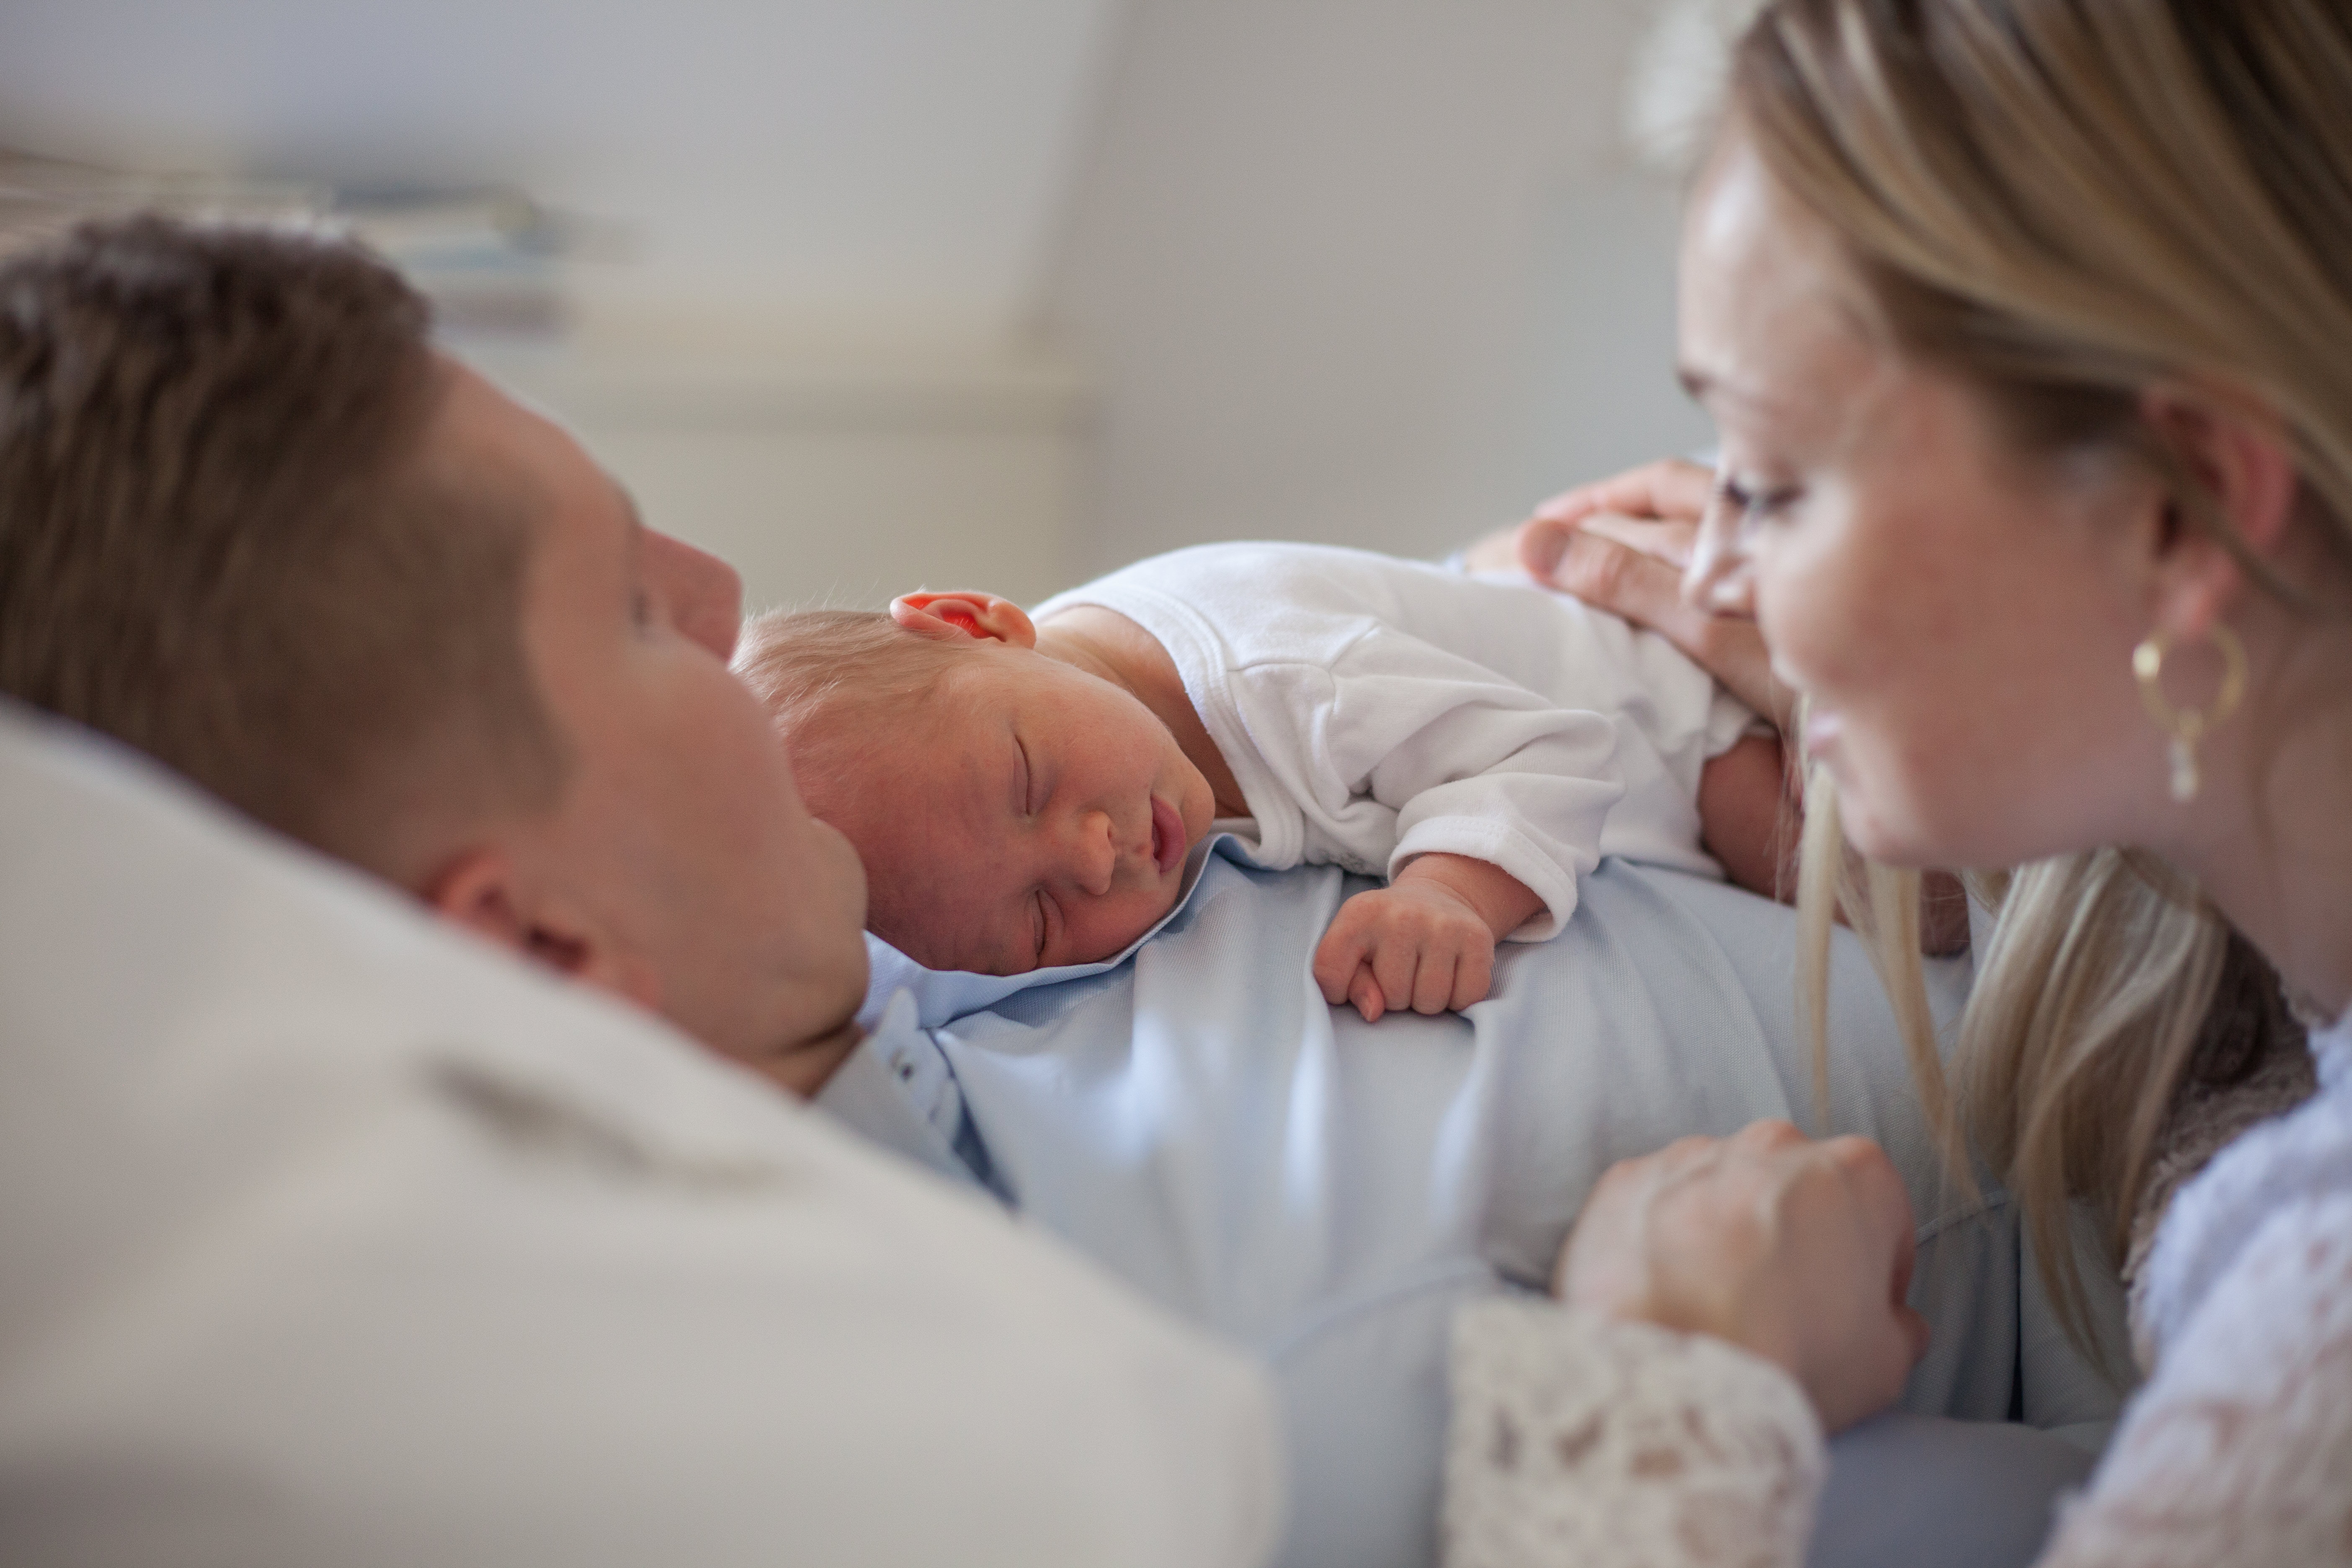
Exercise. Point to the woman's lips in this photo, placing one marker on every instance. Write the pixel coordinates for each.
(1821, 728)
(1168, 845)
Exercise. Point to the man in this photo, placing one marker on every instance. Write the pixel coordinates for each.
(328, 1234)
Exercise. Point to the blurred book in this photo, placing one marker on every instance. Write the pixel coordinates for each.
(489, 257)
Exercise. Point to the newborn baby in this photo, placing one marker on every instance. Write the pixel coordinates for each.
(1023, 790)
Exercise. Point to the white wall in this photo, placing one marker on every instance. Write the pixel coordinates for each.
(1371, 271)
(842, 480)
(807, 348)
(845, 166)
(996, 291)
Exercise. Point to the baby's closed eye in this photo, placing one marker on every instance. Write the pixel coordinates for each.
(1041, 923)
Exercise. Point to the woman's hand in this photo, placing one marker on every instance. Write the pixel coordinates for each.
(1799, 1251)
(1623, 544)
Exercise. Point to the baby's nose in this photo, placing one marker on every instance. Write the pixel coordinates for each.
(1095, 858)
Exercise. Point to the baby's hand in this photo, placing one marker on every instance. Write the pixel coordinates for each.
(1417, 943)
(1424, 942)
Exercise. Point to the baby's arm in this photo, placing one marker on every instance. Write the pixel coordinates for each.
(1425, 941)
(1751, 819)
(1745, 819)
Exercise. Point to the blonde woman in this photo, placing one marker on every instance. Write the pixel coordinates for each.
(2027, 326)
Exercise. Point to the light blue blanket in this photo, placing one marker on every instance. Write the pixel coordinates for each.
(1325, 1192)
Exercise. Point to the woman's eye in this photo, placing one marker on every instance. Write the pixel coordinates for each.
(1757, 502)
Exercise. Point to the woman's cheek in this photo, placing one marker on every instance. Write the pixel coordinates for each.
(1795, 625)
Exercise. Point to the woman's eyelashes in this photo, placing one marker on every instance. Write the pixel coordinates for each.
(1753, 501)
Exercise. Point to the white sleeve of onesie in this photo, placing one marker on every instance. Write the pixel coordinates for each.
(1398, 749)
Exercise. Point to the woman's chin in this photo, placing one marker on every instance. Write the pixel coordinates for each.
(1873, 832)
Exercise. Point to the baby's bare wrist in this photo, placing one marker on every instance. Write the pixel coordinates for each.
(1498, 899)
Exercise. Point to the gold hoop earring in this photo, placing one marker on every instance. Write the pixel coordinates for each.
(2187, 726)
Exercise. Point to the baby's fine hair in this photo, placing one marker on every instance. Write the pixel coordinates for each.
(834, 679)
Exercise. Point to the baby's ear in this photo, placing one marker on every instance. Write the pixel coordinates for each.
(946, 616)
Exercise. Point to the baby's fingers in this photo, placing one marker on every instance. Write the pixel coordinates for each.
(1339, 959)
(1473, 976)
(1394, 963)
(1432, 979)
(1365, 992)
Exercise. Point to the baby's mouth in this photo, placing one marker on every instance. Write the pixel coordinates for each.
(1168, 845)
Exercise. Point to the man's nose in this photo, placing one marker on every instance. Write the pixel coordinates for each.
(1720, 578)
(706, 594)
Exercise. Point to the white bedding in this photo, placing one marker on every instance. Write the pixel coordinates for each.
(331, 1235)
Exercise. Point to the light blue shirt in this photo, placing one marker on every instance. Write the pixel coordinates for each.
(1325, 1192)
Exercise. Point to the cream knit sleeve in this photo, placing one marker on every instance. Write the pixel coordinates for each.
(1605, 1445)
(2239, 1449)
(1582, 1442)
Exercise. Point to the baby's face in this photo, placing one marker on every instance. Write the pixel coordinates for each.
(1041, 818)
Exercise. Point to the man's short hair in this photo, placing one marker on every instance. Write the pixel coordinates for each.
(222, 540)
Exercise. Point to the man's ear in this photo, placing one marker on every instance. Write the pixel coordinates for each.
(2237, 451)
(480, 890)
(964, 615)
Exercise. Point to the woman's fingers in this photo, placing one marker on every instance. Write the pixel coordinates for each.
(1670, 542)
(1797, 1250)
(1878, 1187)
(1672, 488)
(1646, 589)
(1672, 492)
(1625, 545)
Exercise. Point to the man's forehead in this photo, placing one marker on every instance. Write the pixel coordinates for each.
(514, 443)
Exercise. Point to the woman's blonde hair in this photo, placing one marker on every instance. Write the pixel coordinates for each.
(2068, 201)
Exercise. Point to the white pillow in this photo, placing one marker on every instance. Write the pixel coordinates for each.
(330, 1234)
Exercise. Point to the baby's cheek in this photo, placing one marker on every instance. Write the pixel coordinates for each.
(1160, 905)
(1114, 931)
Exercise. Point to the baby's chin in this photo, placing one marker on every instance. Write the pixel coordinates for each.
(1141, 929)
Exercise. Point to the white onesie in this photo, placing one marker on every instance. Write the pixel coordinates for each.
(1374, 709)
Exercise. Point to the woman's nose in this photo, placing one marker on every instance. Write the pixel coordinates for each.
(1720, 578)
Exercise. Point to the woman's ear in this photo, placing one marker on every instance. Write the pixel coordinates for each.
(962, 614)
(2237, 452)
(481, 891)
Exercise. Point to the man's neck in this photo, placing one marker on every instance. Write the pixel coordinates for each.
(1106, 644)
